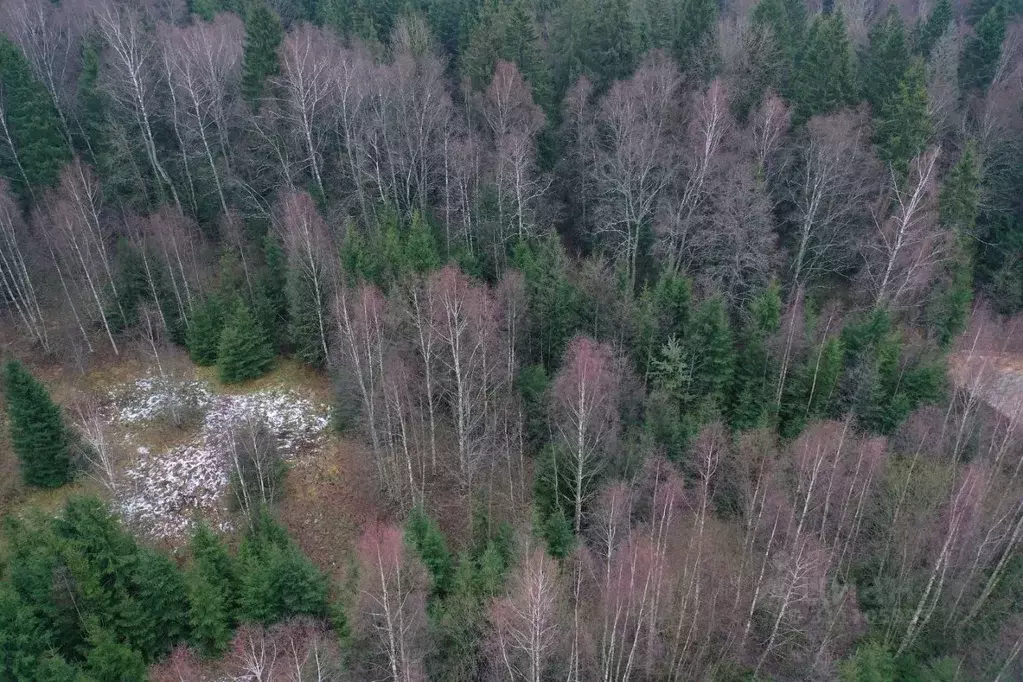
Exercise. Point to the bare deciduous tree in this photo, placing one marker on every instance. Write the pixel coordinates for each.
(391, 605)
(586, 413)
(16, 283)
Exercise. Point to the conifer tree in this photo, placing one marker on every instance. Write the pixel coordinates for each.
(905, 126)
(938, 21)
(886, 59)
(695, 24)
(420, 247)
(787, 21)
(271, 304)
(33, 122)
(710, 347)
(244, 351)
(204, 331)
(552, 301)
(263, 35)
(158, 587)
(824, 77)
(91, 106)
(751, 392)
(982, 51)
(277, 581)
(23, 640)
(38, 434)
(109, 659)
(958, 203)
(614, 46)
(424, 535)
(812, 391)
(208, 616)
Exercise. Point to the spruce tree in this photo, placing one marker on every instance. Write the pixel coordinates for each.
(263, 35)
(938, 21)
(787, 22)
(424, 535)
(751, 391)
(824, 77)
(271, 299)
(244, 351)
(958, 203)
(91, 106)
(905, 126)
(111, 660)
(33, 122)
(204, 331)
(23, 639)
(613, 50)
(38, 434)
(982, 51)
(551, 298)
(886, 59)
(695, 21)
(208, 617)
(277, 581)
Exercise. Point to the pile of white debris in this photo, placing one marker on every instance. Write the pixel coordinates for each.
(163, 491)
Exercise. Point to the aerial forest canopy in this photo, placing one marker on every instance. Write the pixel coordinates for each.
(654, 340)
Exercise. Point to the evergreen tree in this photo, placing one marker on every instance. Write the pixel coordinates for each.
(871, 663)
(710, 348)
(905, 126)
(271, 304)
(244, 351)
(551, 300)
(112, 661)
(420, 247)
(212, 562)
(204, 332)
(695, 22)
(91, 107)
(263, 35)
(506, 30)
(277, 581)
(663, 312)
(982, 51)
(556, 531)
(752, 390)
(38, 434)
(208, 615)
(958, 205)
(812, 391)
(938, 21)
(33, 122)
(787, 21)
(23, 640)
(158, 587)
(424, 535)
(613, 51)
(824, 77)
(886, 59)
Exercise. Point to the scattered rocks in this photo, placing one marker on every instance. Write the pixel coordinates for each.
(162, 492)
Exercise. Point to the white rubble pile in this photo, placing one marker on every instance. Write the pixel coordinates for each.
(162, 491)
(152, 398)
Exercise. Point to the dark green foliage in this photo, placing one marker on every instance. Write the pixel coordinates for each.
(556, 531)
(787, 22)
(824, 77)
(551, 300)
(812, 389)
(663, 312)
(695, 26)
(38, 434)
(23, 640)
(982, 51)
(112, 661)
(424, 535)
(958, 205)
(208, 616)
(886, 59)
(871, 663)
(263, 35)
(34, 125)
(271, 295)
(212, 592)
(157, 586)
(614, 51)
(752, 392)
(506, 31)
(53, 668)
(204, 331)
(938, 21)
(90, 136)
(533, 384)
(277, 581)
(244, 351)
(905, 127)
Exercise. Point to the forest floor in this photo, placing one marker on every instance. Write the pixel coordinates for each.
(166, 435)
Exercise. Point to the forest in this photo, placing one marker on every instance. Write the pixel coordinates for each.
(512, 340)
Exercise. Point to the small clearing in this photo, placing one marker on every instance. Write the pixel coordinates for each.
(163, 489)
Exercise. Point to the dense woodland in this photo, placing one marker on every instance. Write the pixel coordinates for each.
(642, 309)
